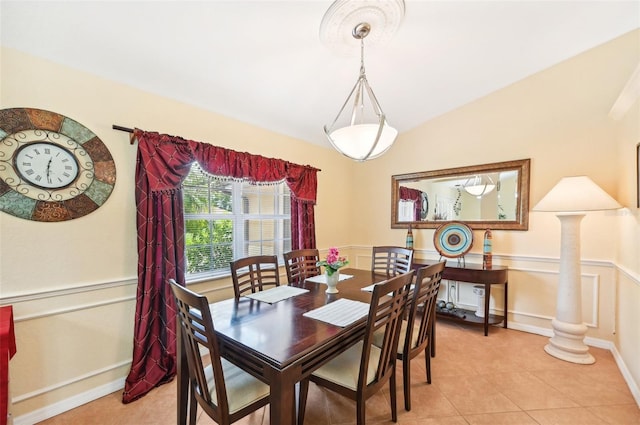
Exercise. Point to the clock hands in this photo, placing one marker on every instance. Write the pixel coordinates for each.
(49, 169)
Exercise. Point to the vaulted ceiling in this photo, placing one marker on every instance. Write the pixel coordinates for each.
(262, 62)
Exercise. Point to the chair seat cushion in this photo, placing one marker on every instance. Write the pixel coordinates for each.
(379, 336)
(344, 369)
(242, 388)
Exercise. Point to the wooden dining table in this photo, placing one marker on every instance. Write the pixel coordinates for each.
(277, 344)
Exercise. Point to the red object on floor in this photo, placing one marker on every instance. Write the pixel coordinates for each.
(7, 350)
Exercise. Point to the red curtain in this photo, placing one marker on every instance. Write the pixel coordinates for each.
(163, 163)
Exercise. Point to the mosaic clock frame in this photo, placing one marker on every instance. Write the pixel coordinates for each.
(52, 168)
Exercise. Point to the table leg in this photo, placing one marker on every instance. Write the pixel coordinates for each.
(282, 408)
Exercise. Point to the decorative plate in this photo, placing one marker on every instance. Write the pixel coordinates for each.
(52, 168)
(453, 239)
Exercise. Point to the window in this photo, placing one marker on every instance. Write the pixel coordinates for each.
(229, 219)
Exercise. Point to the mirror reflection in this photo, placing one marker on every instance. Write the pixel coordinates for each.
(483, 196)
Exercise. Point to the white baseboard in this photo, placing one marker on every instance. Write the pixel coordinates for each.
(68, 404)
(633, 387)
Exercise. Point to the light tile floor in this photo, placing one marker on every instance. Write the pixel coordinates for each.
(504, 378)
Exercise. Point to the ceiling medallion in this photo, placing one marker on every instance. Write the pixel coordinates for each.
(384, 18)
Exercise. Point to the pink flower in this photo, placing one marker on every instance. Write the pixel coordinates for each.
(333, 261)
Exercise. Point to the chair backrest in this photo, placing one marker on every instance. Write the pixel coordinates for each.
(254, 274)
(301, 264)
(391, 260)
(422, 308)
(197, 331)
(388, 306)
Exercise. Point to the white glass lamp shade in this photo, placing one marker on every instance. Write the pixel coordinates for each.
(479, 185)
(356, 141)
(480, 189)
(575, 194)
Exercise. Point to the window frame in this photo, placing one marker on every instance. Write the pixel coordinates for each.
(240, 243)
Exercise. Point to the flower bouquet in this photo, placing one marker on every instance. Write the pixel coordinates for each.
(331, 266)
(333, 262)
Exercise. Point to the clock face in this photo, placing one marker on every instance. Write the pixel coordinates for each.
(51, 167)
(46, 165)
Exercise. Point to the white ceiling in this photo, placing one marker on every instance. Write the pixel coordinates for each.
(262, 62)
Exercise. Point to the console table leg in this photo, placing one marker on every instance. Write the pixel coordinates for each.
(506, 289)
(487, 298)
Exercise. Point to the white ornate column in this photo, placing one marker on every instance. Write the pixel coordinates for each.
(568, 327)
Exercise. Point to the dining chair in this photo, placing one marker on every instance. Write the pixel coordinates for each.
(391, 260)
(254, 274)
(363, 369)
(416, 333)
(301, 264)
(224, 391)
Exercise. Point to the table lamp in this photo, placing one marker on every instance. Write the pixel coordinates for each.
(570, 199)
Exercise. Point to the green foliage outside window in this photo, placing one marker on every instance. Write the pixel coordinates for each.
(261, 222)
(208, 240)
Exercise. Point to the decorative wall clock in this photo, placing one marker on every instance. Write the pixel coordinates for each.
(52, 168)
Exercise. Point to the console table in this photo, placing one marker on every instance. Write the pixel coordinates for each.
(474, 273)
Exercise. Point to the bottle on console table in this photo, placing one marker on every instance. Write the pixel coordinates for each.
(487, 261)
(409, 241)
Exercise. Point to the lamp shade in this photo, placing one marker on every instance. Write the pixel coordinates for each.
(356, 141)
(575, 194)
(479, 185)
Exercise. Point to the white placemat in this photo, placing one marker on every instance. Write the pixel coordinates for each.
(370, 287)
(373, 285)
(276, 294)
(341, 312)
(322, 278)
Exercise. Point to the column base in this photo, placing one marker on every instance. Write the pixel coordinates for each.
(567, 343)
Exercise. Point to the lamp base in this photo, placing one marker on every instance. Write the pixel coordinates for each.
(567, 343)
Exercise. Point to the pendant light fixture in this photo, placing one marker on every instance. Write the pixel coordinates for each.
(363, 132)
(360, 130)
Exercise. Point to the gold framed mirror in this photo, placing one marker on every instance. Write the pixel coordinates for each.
(488, 196)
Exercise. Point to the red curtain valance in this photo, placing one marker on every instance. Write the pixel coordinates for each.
(408, 194)
(168, 160)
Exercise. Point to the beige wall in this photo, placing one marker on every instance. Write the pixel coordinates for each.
(72, 284)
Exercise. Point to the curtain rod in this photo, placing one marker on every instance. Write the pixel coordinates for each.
(126, 130)
(121, 128)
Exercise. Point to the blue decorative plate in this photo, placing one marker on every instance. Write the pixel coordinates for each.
(453, 239)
